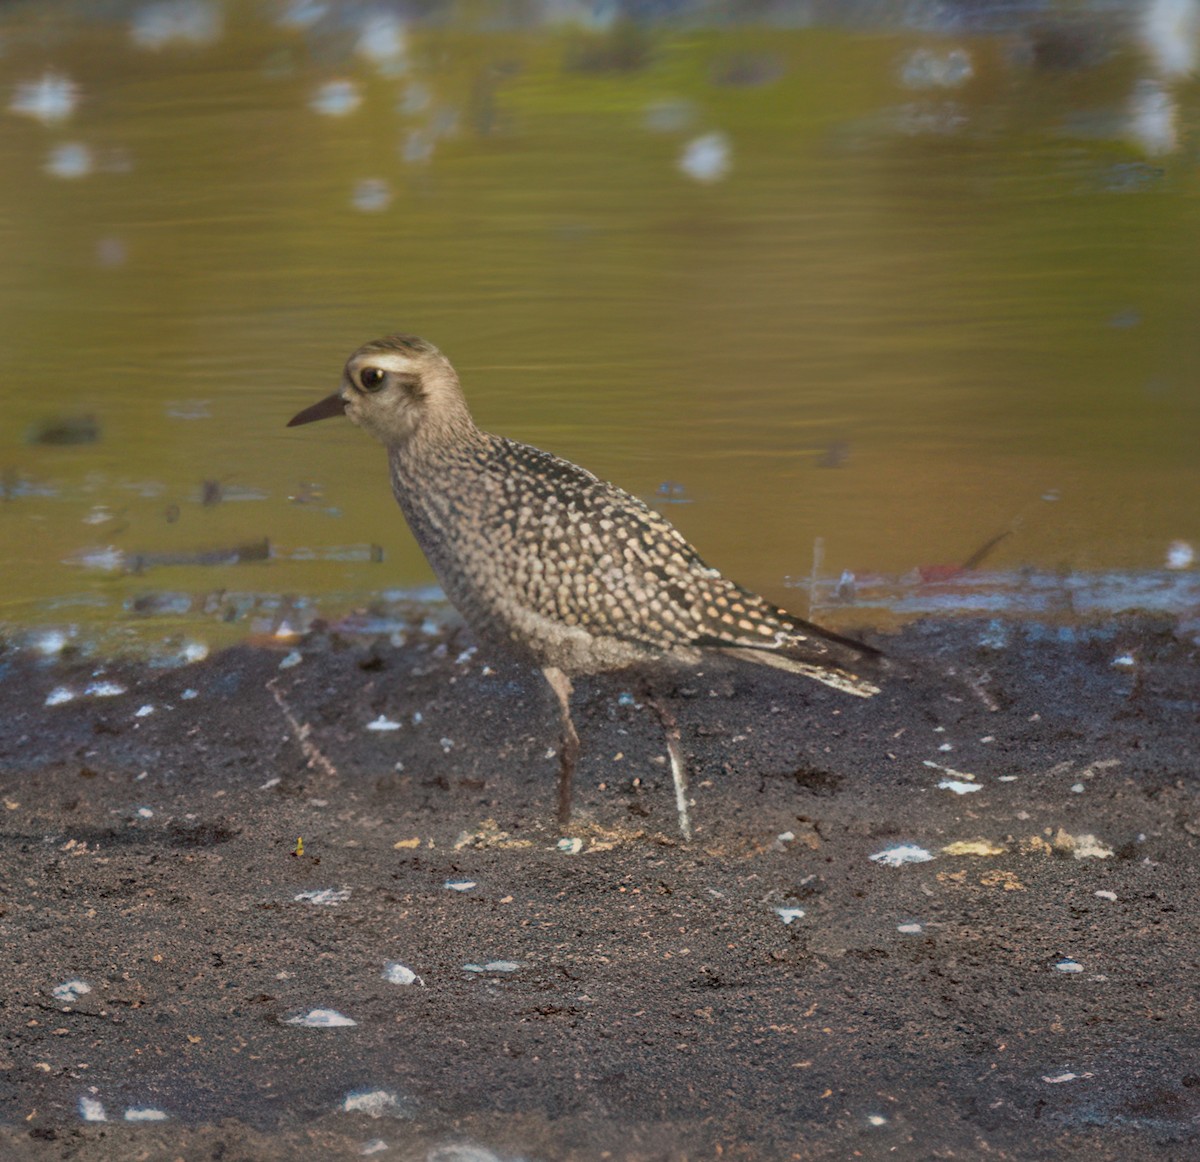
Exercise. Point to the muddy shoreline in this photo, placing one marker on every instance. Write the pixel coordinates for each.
(782, 987)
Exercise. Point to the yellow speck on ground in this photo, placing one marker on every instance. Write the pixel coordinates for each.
(974, 847)
(1001, 879)
(407, 844)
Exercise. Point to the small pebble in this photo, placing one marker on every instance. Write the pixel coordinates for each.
(396, 973)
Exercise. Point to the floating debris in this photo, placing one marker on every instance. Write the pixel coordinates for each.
(372, 195)
(183, 22)
(924, 68)
(396, 973)
(70, 991)
(706, 159)
(324, 897)
(64, 431)
(336, 99)
(70, 160)
(53, 97)
(321, 1019)
(902, 853)
(1180, 555)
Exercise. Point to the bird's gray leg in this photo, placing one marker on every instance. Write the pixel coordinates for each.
(569, 750)
(678, 766)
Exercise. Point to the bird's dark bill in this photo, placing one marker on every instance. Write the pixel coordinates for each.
(330, 406)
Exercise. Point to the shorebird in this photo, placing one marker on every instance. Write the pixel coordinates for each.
(554, 565)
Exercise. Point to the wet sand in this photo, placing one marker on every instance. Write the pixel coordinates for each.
(782, 987)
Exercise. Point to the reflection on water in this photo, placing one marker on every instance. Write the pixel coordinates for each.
(861, 288)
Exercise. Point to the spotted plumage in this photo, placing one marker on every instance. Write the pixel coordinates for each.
(545, 559)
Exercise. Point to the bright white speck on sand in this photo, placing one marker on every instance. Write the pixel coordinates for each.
(189, 694)
(51, 98)
(911, 929)
(707, 158)
(326, 897)
(902, 853)
(1106, 895)
(70, 991)
(1123, 662)
(336, 99)
(876, 1120)
(70, 160)
(493, 966)
(459, 885)
(59, 695)
(375, 1103)
(569, 845)
(1068, 965)
(1180, 555)
(322, 1019)
(787, 915)
(1059, 1078)
(382, 723)
(145, 813)
(396, 973)
(195, 652)
(92, 1110)
(105, 689)
(145, 1114)
(374, 1146)
(144, 711)
(958, 787)
(292, 659)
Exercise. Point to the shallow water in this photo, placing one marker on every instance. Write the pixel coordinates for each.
(899, 287)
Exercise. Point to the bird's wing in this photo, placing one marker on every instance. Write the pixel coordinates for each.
(631, 575)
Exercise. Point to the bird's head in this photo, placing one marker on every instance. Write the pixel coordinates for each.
(397, 388)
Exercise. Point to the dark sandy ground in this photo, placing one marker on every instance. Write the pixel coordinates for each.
(1029, 992)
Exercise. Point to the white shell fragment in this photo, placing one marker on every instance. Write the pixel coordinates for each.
(493, 966)
(958, 786)
(92, 1110)
(376, 1103)
(787, 915)
(902, 853)
(382, 723)
(321, 1019)
(396, 973)
(70, 991)
(459, 885)
(324, 897)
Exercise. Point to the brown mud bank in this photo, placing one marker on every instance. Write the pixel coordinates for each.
(959, 920)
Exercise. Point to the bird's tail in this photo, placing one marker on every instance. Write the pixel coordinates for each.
(770, 636)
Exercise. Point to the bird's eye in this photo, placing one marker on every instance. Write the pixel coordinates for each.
(372, 378)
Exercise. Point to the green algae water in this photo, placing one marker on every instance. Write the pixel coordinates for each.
(860, 301)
